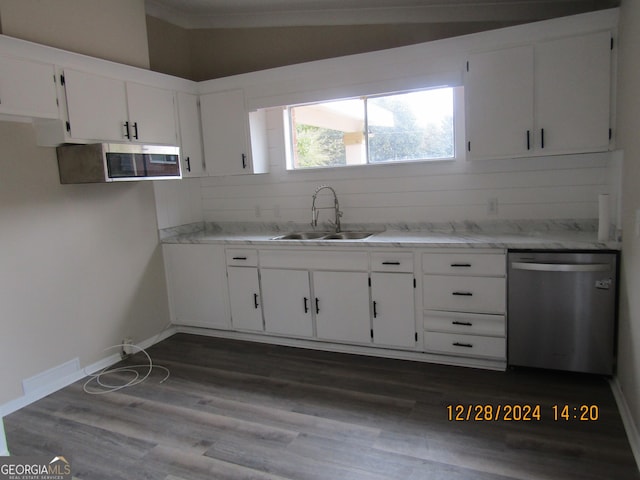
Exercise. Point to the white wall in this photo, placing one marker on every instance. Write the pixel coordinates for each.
(629, 140)
(111, 30)
(532, 188)
(80, 265)
(178, 202)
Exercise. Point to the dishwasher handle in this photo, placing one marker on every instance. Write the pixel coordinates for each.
(561, 267)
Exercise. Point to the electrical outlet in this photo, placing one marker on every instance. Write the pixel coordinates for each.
(127, 348)
(492, 206)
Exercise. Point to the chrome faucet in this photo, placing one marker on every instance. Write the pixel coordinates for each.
(315, 211)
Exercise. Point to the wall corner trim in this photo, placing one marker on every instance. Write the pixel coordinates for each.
(4, 450)
(627, 419)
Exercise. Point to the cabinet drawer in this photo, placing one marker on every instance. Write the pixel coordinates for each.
(467, 345)
(392, 262)
(489, 264)
(241, 257)
(315, 260)
(465, 323)
(464, 294)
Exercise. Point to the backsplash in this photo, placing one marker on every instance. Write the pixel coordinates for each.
(558, 187)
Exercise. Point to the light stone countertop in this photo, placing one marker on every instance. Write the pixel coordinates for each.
(547, 236)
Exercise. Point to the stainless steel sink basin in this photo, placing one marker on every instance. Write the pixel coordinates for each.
(301, 236)
(323, 236)
(347, 236)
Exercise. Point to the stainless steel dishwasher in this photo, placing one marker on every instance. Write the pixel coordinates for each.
(562, 310)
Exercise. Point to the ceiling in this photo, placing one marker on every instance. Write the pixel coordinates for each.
(273, 13)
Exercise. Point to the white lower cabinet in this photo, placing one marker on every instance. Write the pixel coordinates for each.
(244, 298)
(287, 302)
(394, 319)
(341, 305)
(355, 297)
(197, 284)
(473, 345)
(464, 300)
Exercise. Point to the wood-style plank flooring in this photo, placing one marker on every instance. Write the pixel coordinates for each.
(239, 410)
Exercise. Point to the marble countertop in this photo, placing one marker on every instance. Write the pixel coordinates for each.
(574, 238)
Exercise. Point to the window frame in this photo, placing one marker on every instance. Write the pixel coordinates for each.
(458, 132)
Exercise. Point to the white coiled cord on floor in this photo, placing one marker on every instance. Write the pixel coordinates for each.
(105, 387)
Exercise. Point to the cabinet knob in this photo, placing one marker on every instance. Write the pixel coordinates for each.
(188, 164)
(458, 344)
(306, 305)
(127, 133)
(255, 300)
(244, 161)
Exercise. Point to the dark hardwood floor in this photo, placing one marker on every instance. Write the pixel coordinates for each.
(238, 410)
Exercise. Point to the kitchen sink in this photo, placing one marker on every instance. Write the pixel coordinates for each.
(347, 236)
(323, 236)
(301, 236)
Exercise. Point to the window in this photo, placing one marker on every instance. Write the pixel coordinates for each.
(403, 127)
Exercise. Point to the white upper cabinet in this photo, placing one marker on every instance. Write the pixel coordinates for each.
(190, 135)
(545, 99)
(228, 140)
(152, 114)
(499, 93)
(96, 106)
(106, 109)
(572, 91)
(27, 88)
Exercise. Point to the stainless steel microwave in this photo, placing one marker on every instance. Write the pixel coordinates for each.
(117, 162)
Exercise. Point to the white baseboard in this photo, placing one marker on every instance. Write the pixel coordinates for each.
(42, 391)
(627, 419)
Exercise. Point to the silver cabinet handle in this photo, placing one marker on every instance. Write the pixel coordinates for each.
(561, 267)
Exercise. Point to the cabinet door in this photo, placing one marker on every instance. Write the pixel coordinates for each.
(197, 284)
(190, 135)
(341, 303)
(499, 99)
(286, 302)
(27, 88)
(572, 93)
(152, 117)
(244, 298)
(97, 106)
(224, 128)
(394, 320)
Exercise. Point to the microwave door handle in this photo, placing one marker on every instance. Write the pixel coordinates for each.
(561, 267)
